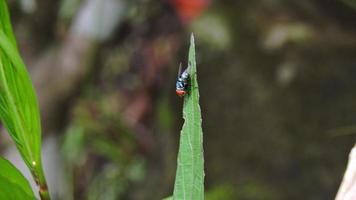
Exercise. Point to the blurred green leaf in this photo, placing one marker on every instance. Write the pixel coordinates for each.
(5, 22)
(18, 104)
(213, 31)
(12, 183)
(109, 184)
(73, 145)
(189, 183)
(19, 110)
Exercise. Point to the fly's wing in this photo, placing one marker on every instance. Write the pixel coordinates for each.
(180, 69)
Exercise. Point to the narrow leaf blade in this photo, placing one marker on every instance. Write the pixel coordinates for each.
(189, 183)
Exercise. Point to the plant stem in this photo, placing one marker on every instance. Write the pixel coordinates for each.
(44, 194)
(41, 182)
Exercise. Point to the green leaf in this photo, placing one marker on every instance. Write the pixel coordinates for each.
(189, 183)
(18, 104)
(19, 110)
(13, 186)
(5, 22)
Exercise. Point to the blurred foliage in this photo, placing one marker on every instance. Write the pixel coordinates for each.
(277, 76)
(97, 134)
(350, 3)
(221, 192)
(69, 8)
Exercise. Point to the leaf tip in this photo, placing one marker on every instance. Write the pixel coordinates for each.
(192, 38)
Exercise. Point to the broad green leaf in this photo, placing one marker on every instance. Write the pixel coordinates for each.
(13, 186)
(189, 182)
(19, 110)
(5, 24)
(18, 104)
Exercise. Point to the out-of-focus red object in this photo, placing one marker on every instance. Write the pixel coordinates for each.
(187, 10)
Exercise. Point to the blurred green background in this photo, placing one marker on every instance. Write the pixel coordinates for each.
(277, 83)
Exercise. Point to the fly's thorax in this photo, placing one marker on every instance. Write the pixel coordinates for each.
(180, 85)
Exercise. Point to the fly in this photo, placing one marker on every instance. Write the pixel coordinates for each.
(182, 84)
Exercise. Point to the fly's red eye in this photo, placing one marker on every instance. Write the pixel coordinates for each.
(180, 93)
